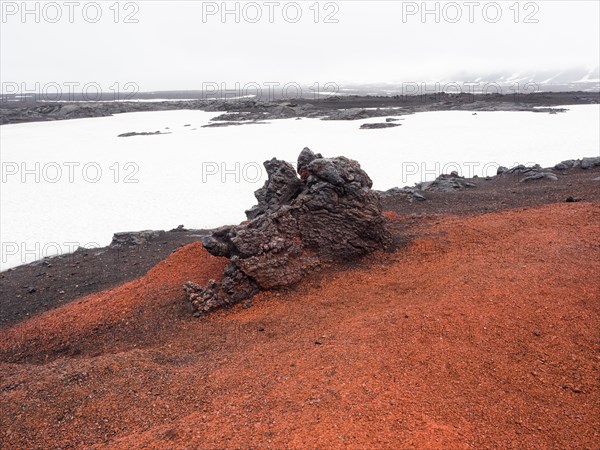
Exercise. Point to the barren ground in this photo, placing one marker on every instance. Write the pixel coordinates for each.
(479, 331)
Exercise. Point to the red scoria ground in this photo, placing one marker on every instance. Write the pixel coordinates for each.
(482, 333)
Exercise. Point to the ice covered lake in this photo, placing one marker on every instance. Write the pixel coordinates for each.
(74, 182)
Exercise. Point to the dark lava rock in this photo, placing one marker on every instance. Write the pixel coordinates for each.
(329, 215)
(281, 186)
(131, 239)
(588, 163)
(304, 159)
(531, 173)
(143, 133)
(521, 169)
(568, 164)
(229, 124)
(540, 176)
(585, 163)
(409, 193)
(374, 126)
(349, 114)
(446, 183)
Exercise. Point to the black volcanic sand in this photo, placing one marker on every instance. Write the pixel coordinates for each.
(37, 287)
(30, 289)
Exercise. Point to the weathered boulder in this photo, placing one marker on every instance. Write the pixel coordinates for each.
(299, 225)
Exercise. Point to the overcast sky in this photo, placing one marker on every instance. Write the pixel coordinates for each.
(174, 46)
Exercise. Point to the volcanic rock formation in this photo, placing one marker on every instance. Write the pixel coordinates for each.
(329, 214)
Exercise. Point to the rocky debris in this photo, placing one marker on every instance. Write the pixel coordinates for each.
(531, 173)
(452, 182)
(354, 107)
(179, 229)
(299, 225)
(361, 113)
(143, 133)
(256, 111)
(585, 163)
(446, 183)
(229, 124)
(410, 193)
(588, 163)
(549, 110)
(521, 169)
(568, 164)
(373, 126)
(133, 238)
(540, 176)
(349, 114)
(392, 119)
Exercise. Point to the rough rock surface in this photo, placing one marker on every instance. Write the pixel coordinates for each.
(143, 133)
(585, 163)
(531, 173)
(378, 125)
(300, 224)
(446, 183)
(133, 238)
(540, 176)
(411, 194)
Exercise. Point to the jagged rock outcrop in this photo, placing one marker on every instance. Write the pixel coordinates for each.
(300, 224)
(282, 186)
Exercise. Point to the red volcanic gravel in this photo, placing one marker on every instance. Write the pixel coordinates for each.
(481, 333)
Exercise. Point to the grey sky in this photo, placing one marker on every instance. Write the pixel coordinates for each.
(172, 48)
